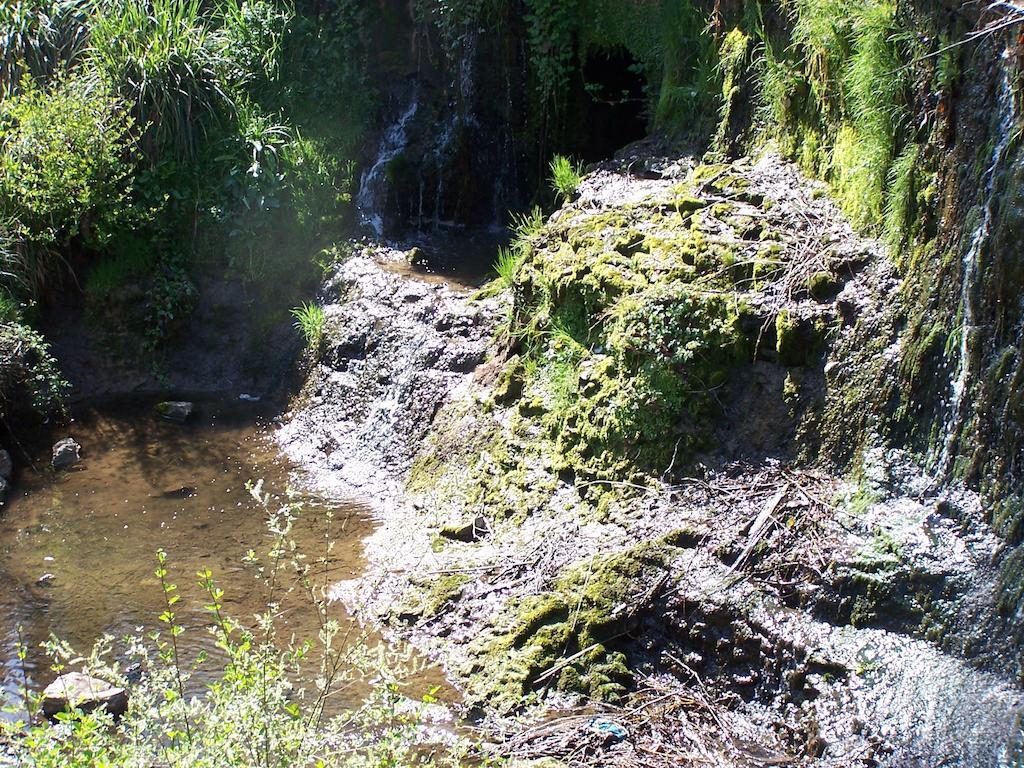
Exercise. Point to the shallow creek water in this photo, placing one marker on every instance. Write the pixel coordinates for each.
(77, 548)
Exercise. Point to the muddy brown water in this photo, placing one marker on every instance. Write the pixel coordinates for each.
(78, 548)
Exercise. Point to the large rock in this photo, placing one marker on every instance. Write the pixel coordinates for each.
(3, 490)
(468, 532)
(178, 411)
(81, 691)
(6, 465)
(66, 453)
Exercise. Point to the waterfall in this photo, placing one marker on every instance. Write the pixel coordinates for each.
(972, 269)
(373, 185)
(460, 119)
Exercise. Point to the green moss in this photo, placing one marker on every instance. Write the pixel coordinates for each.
(628, 325)
(440, 591)
(685, 205)
(795, 339)
(822, 285)
(590, 606)
(790, 390)
(732, 64)
(509, 386)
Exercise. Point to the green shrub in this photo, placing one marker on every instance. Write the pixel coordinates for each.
(252, 188)
(565, 177)
(319, 184)
(170, 297)
(28, 372)
(251, 38)
(65, 174)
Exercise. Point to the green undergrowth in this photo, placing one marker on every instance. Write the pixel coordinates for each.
(30, 378)
(155, 146)
(568, 638)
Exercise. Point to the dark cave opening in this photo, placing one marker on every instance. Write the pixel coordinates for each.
(612, 106)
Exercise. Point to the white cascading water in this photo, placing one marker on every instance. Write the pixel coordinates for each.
(373, 185)
(971, 271)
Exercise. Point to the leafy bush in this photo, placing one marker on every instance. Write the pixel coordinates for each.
(170, 297)
(252, 188)
(65, 174)
(28, 372)
(319, 182)
(251, 37)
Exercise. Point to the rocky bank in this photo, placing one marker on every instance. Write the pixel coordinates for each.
(679, 556)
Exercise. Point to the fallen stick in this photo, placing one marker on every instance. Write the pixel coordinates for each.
(760, 526)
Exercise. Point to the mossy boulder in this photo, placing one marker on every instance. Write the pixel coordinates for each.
(822, 286)
(570, 638)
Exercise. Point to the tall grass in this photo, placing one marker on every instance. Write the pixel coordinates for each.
(167, 61)
(311, 322)
(837, 98)
(873, 86)
(507, 264)
(37, 37)
(527, 225)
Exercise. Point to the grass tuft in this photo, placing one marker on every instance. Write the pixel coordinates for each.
(565, 177)
(310, 321)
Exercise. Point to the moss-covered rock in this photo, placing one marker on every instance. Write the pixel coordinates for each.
(822, 285)
(569, 638)
(628, 321)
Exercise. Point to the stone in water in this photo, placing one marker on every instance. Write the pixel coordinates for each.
(81, 691)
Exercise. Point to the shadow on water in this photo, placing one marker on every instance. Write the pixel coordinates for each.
(77, 548)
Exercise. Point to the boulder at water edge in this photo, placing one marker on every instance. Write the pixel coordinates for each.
(66, 453)
(81, 691)
(178, 411)
(6, 465)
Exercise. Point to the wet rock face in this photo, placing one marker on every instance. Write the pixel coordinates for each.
(447, 154)
(6, 470)
(395, 349)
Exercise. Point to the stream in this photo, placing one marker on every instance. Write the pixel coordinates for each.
(78, 547)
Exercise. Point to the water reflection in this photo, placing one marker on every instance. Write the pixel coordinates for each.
(77, 548)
